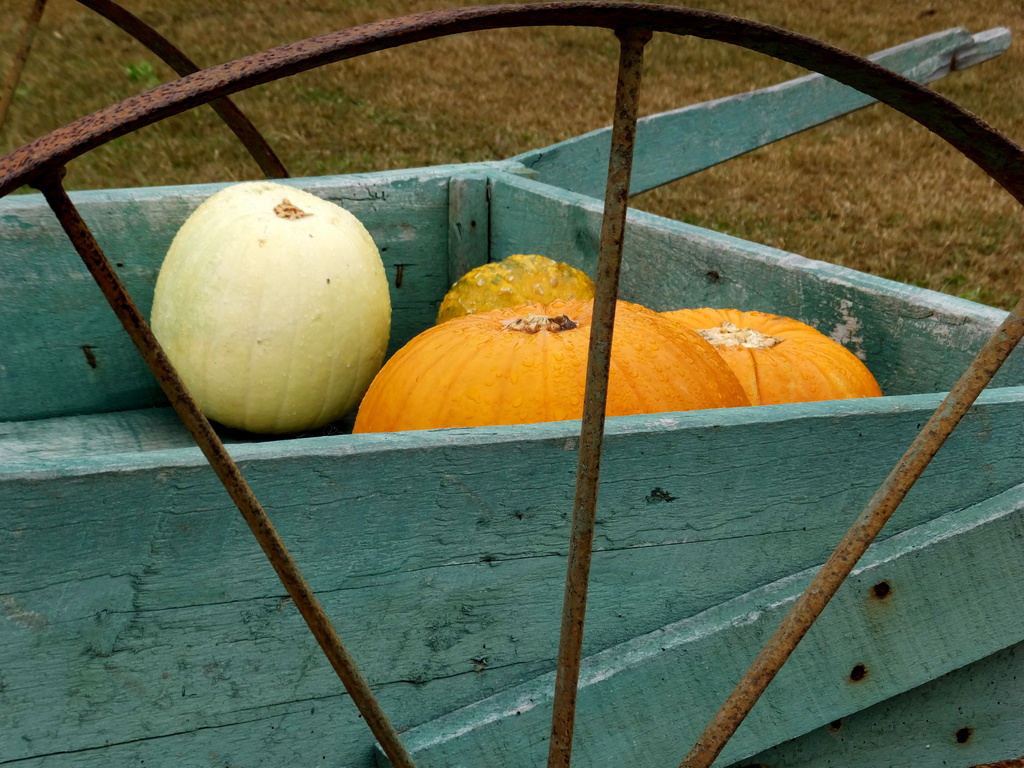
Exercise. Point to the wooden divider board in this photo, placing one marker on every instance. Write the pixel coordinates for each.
(141, 621)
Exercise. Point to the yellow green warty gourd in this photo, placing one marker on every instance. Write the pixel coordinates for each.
(517, 279)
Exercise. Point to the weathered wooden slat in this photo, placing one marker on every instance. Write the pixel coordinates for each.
(969, 717)
(138, 615)
(63, 350)
(468, 224)
(146, 429)
(912, 339)
(674, 144)
(984, 46)
(946, 602)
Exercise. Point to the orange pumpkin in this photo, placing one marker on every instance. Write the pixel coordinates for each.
(778, 359)
(528, 364)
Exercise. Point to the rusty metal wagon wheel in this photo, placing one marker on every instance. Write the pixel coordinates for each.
(41, 164)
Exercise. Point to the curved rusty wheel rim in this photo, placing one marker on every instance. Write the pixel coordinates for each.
(993, 152)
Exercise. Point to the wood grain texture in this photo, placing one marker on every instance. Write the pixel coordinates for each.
(966, 717)
(64, 351)
(949, 604)
(468, 224)
(146, 429)
(141, 619)
(671, 145)
(912, 339)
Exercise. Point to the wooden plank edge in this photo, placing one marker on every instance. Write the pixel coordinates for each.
(15, 205)
(984, 46)
(664, 668)
(113, 460)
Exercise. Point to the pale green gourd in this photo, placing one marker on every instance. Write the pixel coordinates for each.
(274, 307)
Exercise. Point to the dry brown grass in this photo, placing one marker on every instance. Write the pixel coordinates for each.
(872, 191)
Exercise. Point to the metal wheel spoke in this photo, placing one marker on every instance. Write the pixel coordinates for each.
(588, 470)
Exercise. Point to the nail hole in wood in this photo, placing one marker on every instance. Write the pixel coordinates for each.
(964, 735)
(858, 673)
(881, 590)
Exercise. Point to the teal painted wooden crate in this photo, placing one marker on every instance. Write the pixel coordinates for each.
(143, 626)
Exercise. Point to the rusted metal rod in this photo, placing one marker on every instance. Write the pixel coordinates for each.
(247, 133)
(35, 15)
(206, 438)
(856, 541)
(613, 226)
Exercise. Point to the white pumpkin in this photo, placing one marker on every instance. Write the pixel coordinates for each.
(273, 305)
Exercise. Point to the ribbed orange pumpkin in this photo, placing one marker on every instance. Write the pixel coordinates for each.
(527, 364)
(778, 359)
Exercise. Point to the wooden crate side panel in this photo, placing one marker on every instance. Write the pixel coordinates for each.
(967, 717)
(138, 607)
(647, 700)
(62, 350)
(913, 340)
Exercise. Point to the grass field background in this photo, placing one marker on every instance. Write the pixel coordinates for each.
(872, 191)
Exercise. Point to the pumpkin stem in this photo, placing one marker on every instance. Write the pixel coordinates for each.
(288, 210)
(538, 323)
(730, 335)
